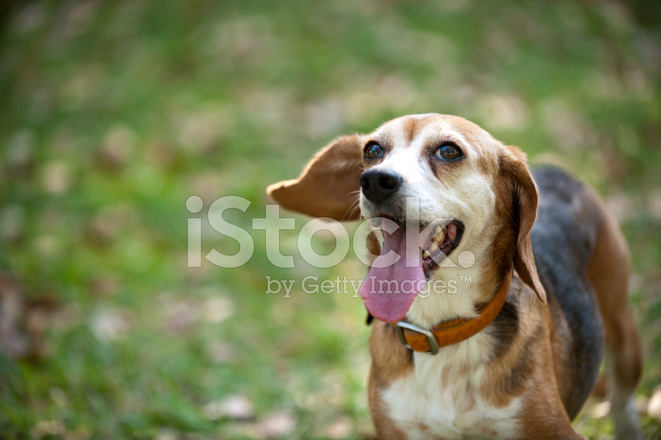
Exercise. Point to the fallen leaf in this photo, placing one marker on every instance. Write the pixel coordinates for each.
(339, 428)
(46, 428)
(109, 324)
(218, 309)
(277, 424)
(117, 148)
(166, 434)
(654, 405)
(57, 177)
(235, 407)
(601, 409)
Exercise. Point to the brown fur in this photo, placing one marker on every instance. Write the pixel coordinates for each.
(609, 272)
(312, 193)
(531, 356)
(524, 210)
(390, 359)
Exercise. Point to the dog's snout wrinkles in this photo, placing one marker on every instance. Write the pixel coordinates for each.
(378, 185)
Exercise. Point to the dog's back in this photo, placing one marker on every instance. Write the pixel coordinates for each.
(583, 260)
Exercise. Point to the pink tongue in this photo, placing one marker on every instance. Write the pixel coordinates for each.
(389, 291)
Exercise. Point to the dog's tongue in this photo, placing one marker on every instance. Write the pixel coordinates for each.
(389, 291)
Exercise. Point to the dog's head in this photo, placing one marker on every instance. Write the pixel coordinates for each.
(440, 176)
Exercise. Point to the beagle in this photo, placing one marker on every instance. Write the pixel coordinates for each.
(540, 272)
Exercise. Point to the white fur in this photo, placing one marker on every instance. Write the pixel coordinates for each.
(470, 199)
(443, 400)
(428, 310)
(449, 406)
(622, 407)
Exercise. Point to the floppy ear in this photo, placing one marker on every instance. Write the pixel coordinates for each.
(524, 206)
(329, 185)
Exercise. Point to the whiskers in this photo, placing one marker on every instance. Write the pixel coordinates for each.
(355, 205)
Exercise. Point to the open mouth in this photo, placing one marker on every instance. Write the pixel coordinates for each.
(440, 245)
(393, 283)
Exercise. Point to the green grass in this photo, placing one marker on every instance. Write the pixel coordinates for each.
(114, 113)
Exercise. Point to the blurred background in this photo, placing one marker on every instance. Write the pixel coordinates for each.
(112, 114)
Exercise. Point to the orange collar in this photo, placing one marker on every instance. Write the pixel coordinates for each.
(451, 332)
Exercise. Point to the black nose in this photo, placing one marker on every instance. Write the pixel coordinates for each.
(378, 185)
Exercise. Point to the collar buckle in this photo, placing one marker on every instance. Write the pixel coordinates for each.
(431, 340)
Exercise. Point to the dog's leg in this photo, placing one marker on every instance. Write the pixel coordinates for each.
(609, 273)
(384, 426)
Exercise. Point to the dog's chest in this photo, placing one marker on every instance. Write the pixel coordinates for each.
(439, 401)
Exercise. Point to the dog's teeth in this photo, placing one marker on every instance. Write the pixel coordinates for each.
(433, 248)
(425, 254)
(438, 238)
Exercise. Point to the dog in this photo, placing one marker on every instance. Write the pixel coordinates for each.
(540, 271)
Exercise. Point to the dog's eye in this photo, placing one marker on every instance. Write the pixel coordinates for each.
(448, 152)
(373, 151)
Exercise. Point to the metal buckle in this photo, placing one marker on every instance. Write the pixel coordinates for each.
(401, 325)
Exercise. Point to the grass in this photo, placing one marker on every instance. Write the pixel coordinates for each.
(114, 113)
